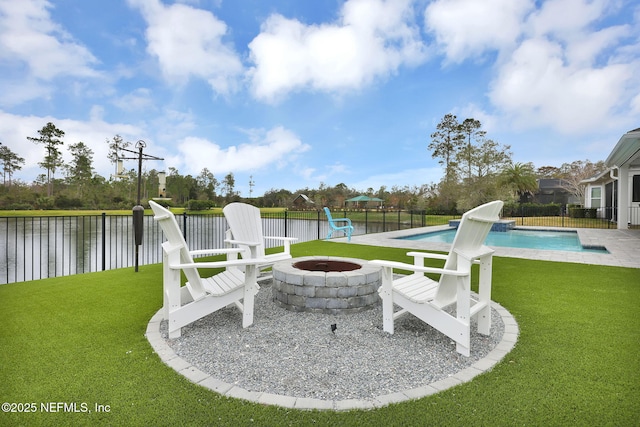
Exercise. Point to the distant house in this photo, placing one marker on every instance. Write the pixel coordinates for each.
(552, 190)
(616, 191)
(301, 201)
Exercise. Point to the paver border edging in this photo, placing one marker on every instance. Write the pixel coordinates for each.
(195, 375)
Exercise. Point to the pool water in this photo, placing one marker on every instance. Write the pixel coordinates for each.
(517, 238)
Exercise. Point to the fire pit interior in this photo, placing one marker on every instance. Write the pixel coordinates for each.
(326, 265)
(329, 285)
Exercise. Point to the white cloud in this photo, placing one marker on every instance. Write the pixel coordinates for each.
(35, 51)
(539, 88)
(371, 40)
(564, 18)
(559, 66)
(137, 100)
(276, 147)
(29, 37)
(565, 74)
(188, 42)
(468, 28)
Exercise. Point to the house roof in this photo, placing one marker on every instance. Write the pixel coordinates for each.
(364, 199)
(603, 176)
(627, 150)
(551, 184)
(304, 198)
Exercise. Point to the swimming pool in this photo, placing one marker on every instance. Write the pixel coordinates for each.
(519, 238)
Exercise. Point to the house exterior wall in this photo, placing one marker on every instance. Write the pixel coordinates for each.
(634, 196)
(608, 188)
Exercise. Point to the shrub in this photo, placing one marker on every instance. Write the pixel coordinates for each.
(583, 212)
(64, 202)
(199, 205)
(531, 209)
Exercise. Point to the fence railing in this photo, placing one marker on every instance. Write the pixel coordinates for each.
(33, 248)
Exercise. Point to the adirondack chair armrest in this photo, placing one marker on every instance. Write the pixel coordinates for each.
(424, 255)
(284, 239)
(217, 251)
(241, 242)
(219, 264)
(286, 242)
(475, 255)
(395, 265)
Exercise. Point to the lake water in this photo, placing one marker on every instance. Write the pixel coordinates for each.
(34, 248)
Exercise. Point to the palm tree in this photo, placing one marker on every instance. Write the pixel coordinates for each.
(521, 178)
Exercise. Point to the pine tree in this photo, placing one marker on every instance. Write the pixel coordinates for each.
(50, 137)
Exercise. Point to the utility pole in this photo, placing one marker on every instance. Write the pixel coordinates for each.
(251, 184)
(138, 210)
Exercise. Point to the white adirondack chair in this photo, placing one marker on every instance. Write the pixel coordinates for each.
(201, 296)
(245, 232)
(427, 299)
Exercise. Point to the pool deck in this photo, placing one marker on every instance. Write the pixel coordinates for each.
(623, 245)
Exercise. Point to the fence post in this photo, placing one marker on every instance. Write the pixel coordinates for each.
(184, 225)
(384, 220)
(318, 223)
(286, 230)
(366, 220)
(104, 240)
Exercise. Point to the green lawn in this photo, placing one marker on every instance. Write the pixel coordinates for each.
(81, 339)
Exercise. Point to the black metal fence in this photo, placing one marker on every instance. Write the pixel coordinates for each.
(38, 247)
(565, 216)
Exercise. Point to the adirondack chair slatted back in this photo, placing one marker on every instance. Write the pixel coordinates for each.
(470, 236)
(246, 225)
(174, 236)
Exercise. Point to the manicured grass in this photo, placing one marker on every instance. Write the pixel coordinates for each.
(81, 339)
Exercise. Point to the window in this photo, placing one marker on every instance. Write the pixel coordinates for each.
(635, 192)
(596, 197)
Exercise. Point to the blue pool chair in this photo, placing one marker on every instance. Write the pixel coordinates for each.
(347, 229)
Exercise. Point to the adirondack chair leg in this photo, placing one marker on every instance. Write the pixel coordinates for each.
(250, 290)
(463, 308)
(484, 292)
(172, 294)
(386, 293)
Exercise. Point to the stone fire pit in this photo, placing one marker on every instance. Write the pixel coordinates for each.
(330, 285)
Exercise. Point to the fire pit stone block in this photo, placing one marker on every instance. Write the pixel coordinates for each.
(330, 292)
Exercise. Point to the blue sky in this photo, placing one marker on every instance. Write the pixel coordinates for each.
(297, 93)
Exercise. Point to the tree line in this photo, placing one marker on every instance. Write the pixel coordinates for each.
(476, 169)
